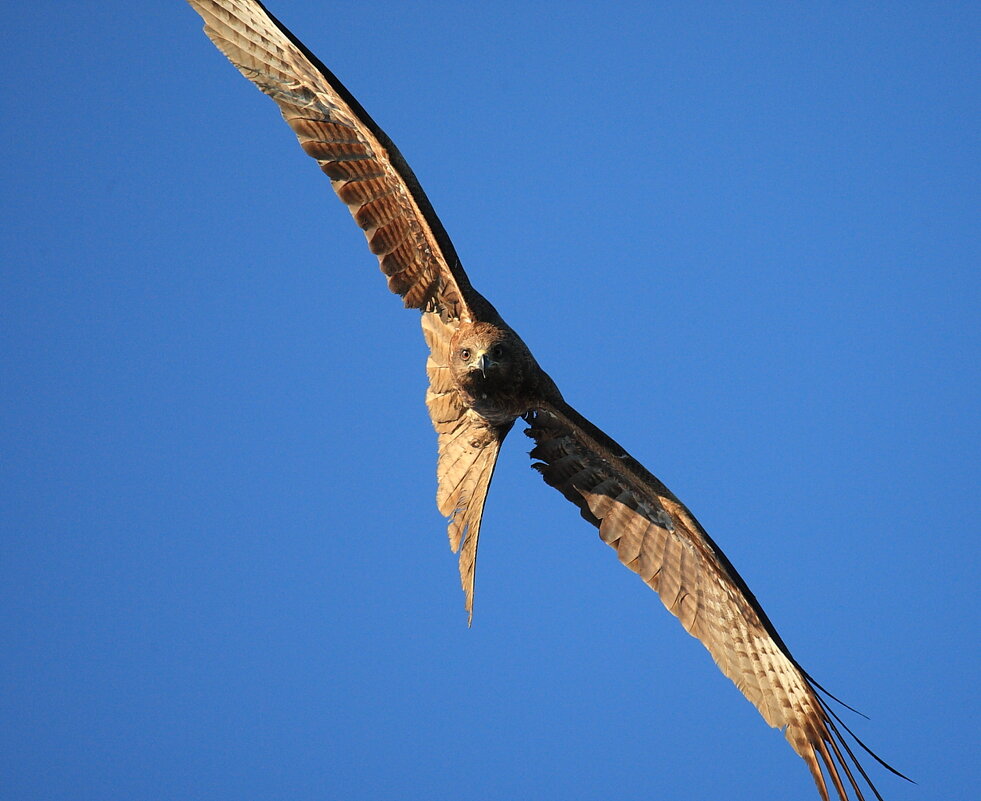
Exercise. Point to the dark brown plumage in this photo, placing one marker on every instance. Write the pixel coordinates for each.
(482, 378)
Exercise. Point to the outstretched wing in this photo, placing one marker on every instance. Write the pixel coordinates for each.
(656, 536)
(369, 174)
(367, 171)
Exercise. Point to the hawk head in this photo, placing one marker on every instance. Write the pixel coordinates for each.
(486, 359)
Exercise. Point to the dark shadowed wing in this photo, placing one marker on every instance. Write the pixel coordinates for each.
(656, 536)
(369, 174)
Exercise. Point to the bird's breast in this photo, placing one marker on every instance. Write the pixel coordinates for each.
(496, 405)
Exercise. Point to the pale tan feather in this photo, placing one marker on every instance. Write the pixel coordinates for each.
(468, 450)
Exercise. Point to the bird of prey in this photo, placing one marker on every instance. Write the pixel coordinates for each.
(482, 379)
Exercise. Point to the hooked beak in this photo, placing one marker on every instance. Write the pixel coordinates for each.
(483, 364)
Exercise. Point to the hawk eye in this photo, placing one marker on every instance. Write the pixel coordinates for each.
(465, 354)
(498, 351)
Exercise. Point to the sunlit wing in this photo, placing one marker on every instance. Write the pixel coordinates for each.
(369, 175)
(366, 170)
(656, 536)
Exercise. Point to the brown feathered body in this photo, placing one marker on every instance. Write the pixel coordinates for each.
(482, 378)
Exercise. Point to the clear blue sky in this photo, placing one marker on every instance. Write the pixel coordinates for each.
(742, 238)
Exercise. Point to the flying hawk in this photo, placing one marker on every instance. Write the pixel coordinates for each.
(482, 378)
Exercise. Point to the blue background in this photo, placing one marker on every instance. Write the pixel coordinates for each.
(742, 238)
